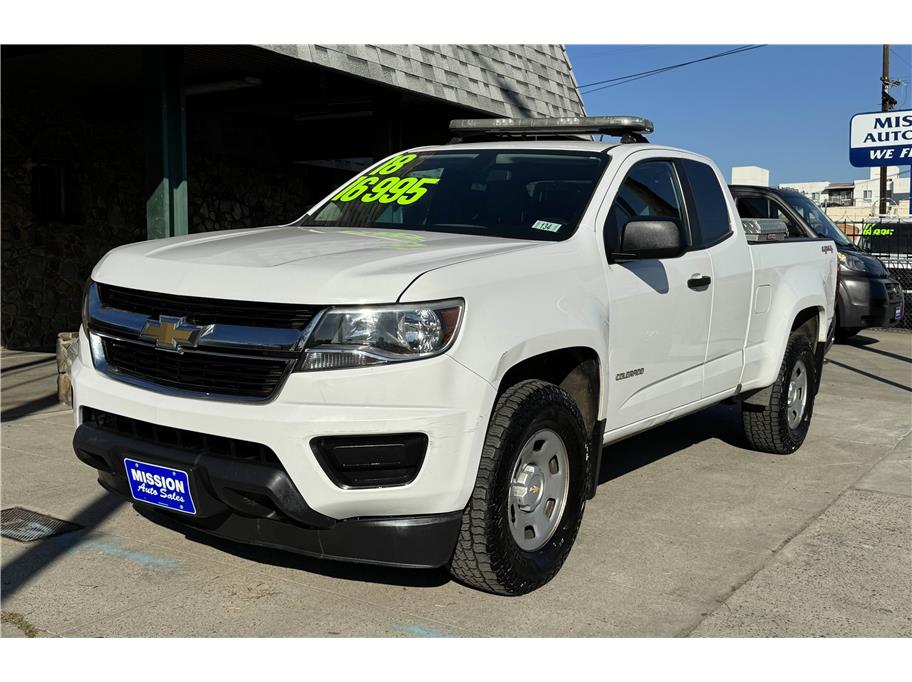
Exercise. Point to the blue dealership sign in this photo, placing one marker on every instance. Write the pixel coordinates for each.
(881, 138)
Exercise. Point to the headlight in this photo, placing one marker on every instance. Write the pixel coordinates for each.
(850, 262)
(374, 335)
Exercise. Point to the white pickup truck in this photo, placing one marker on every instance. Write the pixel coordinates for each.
(422, 371)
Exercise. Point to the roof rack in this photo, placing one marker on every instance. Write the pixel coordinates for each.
(628, 128)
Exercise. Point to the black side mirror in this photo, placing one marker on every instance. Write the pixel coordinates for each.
(651, 238)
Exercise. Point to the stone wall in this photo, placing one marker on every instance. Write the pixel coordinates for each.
(239, 177)
(231, 184)
(45, 263)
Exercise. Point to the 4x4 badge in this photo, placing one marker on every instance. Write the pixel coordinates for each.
(171, 333)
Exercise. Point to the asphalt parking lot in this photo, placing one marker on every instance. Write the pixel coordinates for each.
(690, 534)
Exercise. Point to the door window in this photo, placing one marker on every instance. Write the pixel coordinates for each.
(709, 220)
(651, 190)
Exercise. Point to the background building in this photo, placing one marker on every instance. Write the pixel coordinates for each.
(107, 145)
(750, 175)
(816, 191)
(858, 199)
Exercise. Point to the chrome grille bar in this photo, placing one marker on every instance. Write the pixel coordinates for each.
(218, 361)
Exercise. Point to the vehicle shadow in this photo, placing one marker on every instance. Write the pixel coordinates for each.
(865, 342)
(719, 421)
(42, 554)
(386, 575)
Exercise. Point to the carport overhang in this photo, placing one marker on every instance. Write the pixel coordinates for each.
(328, 118)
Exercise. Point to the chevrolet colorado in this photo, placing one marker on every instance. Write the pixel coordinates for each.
(423, 369)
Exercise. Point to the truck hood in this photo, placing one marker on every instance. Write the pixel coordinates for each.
(294, 264)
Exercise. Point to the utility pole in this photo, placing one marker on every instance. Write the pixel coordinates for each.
(886, 104)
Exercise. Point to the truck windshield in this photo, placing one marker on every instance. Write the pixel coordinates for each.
(519, 194)
(818, 220)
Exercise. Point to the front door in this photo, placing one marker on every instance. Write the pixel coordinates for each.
(659, 310)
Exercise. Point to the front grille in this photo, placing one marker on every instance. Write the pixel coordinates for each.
(182, 439)
(205, 311)
(219, 373)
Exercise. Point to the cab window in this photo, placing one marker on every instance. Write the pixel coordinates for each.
(761, 207)
(709, 219)
(651, 189)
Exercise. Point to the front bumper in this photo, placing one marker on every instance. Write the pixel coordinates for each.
(257, 503)
(437, 397)
(869, 302)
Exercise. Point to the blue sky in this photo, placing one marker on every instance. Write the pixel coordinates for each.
(782, 107)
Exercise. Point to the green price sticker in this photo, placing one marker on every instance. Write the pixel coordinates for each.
(387, 190)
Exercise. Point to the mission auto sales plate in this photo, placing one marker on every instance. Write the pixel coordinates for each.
(161, 486)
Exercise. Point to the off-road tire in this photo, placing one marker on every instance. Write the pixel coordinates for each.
(766, 427)
(486, 556)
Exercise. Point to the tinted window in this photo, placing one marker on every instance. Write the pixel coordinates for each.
(761, 207)
(520, 194)
(650, 189)
(709, 220)
(817, 219)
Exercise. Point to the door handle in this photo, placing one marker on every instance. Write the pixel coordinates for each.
(699, 281)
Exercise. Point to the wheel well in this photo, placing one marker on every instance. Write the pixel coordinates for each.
(806, 323)
(576, 370)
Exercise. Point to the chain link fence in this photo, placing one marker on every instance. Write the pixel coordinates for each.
(890, 239)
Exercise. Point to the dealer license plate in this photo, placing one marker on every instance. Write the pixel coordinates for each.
(161, 486)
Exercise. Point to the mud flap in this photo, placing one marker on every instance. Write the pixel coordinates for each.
(595, 457)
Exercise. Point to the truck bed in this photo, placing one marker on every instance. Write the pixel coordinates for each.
(782, 271)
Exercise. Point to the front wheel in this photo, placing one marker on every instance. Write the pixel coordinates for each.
(781, 425)
(530, 493)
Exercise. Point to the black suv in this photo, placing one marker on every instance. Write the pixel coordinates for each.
(868, 296)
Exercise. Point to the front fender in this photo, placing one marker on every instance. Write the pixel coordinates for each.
(523, 304)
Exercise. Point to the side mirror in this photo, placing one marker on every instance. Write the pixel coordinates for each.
(651, 238)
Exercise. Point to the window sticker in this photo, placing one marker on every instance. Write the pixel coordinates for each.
(383, 187)
(546, 226)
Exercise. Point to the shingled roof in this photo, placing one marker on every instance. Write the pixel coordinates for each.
(504, 80)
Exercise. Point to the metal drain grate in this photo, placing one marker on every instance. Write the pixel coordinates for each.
(24, 525)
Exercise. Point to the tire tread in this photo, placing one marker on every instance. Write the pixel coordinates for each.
(473, 563)
(765, 427)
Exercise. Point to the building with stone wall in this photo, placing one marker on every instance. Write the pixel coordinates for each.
(107, 145)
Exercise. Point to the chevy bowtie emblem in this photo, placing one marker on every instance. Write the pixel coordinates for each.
(171, 333)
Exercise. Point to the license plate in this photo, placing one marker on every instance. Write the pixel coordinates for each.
(898, 312)
(161, 486)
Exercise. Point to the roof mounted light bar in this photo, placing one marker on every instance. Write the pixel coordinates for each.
(628, 128)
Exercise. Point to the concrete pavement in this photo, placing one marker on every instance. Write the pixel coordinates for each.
(690, 534)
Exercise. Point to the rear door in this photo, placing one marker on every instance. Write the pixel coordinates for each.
(659, 310)
(713, 230)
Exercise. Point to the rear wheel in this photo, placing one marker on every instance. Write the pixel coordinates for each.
(781, 424)
(530, 493)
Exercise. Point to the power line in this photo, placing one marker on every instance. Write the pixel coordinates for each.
(900, 57)
(620, 80)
